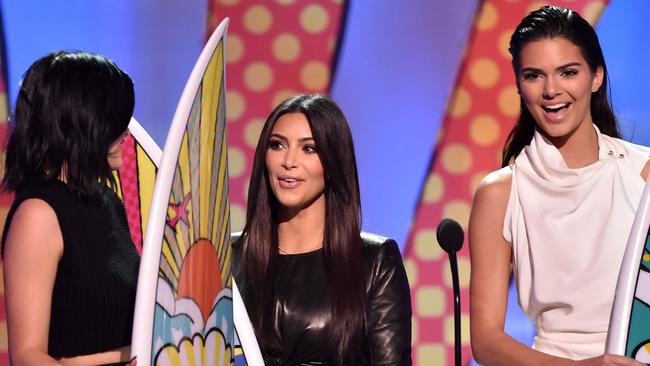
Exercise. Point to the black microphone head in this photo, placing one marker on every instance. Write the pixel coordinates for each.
(450, 235)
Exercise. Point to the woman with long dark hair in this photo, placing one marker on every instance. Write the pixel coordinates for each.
(559, 212)
(70, 267)
(317, 290)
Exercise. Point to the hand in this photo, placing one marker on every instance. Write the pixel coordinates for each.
(610, 360)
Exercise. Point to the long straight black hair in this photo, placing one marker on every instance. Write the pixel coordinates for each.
(70, 108)
(342, 243)
(556, 22)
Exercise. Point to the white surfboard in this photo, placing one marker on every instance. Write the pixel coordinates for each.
(183, 311)
(245, 332)
(629, 329)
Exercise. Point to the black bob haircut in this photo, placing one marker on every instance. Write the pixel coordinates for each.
(70, 108)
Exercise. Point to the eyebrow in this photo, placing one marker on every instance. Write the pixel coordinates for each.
(562, 67)
(284, 138)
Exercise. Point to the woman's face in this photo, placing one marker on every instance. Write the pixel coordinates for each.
(294, 168)
(115, 152)
(556, 84)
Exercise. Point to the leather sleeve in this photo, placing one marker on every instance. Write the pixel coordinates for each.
(389, 308)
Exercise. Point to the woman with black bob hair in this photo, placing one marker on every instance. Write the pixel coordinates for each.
(70, 267)
(559, 212)
(318, 291)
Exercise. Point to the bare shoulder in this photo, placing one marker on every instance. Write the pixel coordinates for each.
(489, 208)
(495, 187)
(34, 226)
(34, 211)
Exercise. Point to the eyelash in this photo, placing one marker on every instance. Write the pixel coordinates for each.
(277, 145)
(568, 73)
(309, 149)
(530, 75)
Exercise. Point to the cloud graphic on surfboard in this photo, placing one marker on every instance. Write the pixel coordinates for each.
(185, 316)
(197, 351)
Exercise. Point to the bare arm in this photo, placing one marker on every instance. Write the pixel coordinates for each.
(491, 257)
(33, 247)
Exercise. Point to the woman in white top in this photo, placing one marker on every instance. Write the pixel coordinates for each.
(560, 210)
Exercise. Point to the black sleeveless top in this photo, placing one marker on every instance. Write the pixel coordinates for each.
(301, 308)
(94, 291)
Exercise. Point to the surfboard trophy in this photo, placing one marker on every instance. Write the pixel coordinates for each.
(183, 311)
(629, 329)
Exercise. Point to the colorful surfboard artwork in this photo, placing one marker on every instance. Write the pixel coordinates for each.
(629, 330)
(183, 312)
(135, 179)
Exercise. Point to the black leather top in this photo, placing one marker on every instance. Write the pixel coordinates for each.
(302, 307)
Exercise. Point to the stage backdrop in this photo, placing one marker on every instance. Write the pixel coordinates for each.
(399, 64)
(275, 49)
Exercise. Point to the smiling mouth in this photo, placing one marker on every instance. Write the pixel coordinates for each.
(554, 108)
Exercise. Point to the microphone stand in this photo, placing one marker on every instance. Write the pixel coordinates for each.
(450, 236)
(456, 287)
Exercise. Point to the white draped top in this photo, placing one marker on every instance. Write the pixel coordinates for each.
(568, 229)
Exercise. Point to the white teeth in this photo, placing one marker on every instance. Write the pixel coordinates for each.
(556, 106)
(289, 180)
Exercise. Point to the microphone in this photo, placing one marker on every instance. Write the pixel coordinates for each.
(450, 237)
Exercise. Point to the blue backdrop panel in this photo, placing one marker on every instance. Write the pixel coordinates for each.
(156, 42)
(396, 70)
(624, 35)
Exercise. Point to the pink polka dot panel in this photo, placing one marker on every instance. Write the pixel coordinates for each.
(275, 49)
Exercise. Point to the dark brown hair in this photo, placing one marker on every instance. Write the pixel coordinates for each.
(556, 22)
(342, 245)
